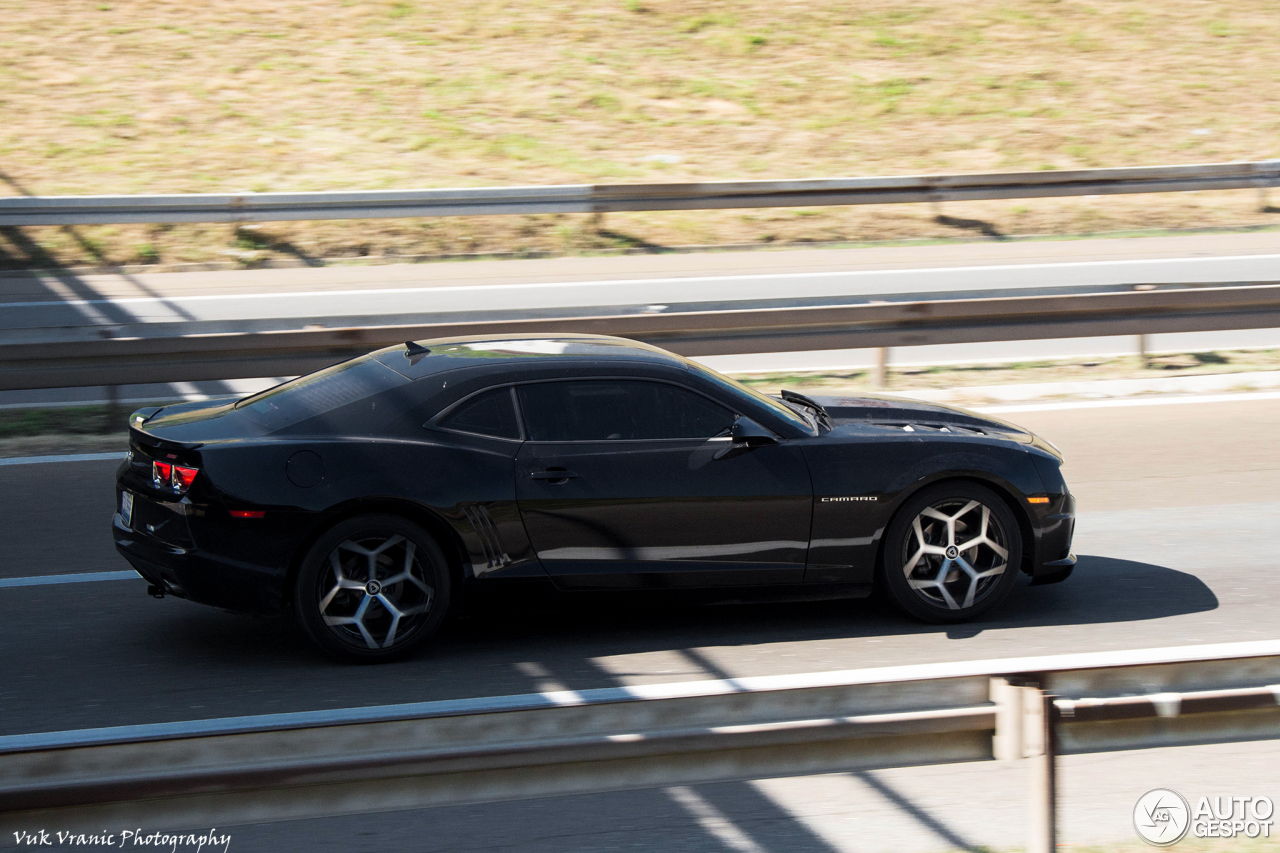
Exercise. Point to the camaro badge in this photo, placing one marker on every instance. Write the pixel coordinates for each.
(853, 498)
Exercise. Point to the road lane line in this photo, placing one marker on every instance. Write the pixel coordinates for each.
(436, 708)
(465, 288)
(1132, 401)
(84, 577)
(68, 457)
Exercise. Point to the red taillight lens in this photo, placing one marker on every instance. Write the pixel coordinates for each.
(161, 472)
(183, 478)
(248, 513)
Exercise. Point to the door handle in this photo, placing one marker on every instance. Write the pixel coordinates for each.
(553, 475)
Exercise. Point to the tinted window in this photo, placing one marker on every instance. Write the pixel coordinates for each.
(487, 413)
(320, 392)
(619, 410)
(779, 408)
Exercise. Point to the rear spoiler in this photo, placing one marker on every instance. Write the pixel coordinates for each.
(154, 442)
(143, 415)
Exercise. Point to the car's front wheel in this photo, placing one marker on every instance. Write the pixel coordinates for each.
(372, 588)
(952, 553)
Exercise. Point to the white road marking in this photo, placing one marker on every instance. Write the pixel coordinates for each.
(473, 288)
(1130, 401)
(69, 457)
(714, 821)
(84, 577)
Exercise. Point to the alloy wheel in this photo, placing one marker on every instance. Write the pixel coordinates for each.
(375, 590)
(955, 552)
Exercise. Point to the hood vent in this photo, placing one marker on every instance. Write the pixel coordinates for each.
(917, 426)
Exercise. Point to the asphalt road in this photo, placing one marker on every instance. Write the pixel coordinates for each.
(67, 306)
(53, 299)
(1180, 510)
(64, 304)
(976, 807)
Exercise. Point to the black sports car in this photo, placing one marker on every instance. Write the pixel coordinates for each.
(368, 497)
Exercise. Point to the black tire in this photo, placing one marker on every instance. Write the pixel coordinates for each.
(959, 581)
(350, 618)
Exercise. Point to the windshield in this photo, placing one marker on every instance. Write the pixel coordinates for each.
(320, 392)
(777, 407)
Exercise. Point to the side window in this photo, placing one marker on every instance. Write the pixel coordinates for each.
(618, 409)
(488, 413)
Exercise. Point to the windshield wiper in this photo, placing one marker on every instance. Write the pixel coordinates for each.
(820, 413)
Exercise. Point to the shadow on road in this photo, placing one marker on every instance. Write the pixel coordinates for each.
(566, 634)
(36, 276)
(1100, 590)
(127, 659)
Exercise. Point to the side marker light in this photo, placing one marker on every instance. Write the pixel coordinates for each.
(1037, 500)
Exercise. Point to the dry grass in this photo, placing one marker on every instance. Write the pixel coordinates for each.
(126, 97)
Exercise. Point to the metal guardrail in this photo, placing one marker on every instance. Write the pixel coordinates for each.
(287, 766)
(1148, 309)
(266, 207)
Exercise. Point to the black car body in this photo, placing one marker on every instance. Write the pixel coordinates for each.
(592, 463)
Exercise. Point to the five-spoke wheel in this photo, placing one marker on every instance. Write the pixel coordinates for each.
(372, 588)
(952, 552)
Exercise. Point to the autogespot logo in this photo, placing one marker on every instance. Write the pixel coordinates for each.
(1161, 817)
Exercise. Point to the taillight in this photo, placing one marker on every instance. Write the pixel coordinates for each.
(248, 513)
(183, 478)
(177, 477)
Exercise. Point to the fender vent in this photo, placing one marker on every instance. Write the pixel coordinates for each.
(487, 533)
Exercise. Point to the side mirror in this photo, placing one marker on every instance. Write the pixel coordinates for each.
(747, 432)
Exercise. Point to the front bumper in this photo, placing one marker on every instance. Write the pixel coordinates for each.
(1054, 528)
(186, 572)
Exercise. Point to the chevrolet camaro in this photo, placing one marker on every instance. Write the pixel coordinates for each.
(369, 498)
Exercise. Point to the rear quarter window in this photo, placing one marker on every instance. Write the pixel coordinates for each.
(491, 413)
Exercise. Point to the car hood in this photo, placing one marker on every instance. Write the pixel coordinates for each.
(922, 416)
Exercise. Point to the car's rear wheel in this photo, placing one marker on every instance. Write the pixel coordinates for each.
(952, 553)
(372, 588)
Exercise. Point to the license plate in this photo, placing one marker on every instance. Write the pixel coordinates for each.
(126, 509)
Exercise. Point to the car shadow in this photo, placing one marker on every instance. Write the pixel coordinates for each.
(1101, 590)
(200, 662)
(580, 626)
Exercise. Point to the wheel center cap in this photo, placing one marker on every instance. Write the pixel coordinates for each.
(373, 587)
(952, 552)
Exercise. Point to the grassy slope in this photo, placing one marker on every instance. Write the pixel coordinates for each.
(232, 95)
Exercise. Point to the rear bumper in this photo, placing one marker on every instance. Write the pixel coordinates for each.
(198, 576)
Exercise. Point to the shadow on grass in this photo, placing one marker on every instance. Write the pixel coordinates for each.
(986, 229)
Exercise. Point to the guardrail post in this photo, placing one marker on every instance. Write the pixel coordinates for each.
(1040, 716)
(880, 377)
(1025, 719)
(112, 417)
(1007, 742)
(1143, 358)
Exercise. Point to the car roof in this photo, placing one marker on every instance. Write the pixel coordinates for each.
(423, 358)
